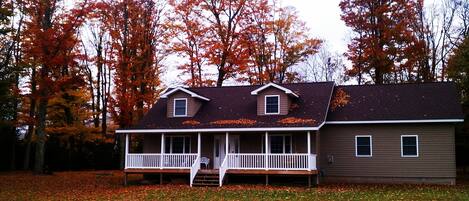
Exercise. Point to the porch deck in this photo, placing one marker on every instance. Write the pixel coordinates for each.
(230, 160)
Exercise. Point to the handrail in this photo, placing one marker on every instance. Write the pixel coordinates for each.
(257, 161)
(194, 169)
(222, 169)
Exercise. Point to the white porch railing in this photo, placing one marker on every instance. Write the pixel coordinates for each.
(194, 169)
(223, 167)
(155, 161)
(274, 161)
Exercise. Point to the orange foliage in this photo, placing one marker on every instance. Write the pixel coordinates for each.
(234, 121)
(294, 120)
(340, 99)
(191, 122)
(385, 40)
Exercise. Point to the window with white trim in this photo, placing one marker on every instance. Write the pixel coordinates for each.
(363, 146)
(280, 144)
(272, 104)
(177, 144)
(409, 146)
(180, 107)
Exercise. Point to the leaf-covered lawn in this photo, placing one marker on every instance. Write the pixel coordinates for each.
(107, 185)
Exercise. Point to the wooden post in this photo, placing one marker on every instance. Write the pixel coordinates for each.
(126, 149)
(198, 144)
(309, 181)
(309, 150)
(161, 178)
(125, 179)
(266, 179)
(162, 151)
(266, 151)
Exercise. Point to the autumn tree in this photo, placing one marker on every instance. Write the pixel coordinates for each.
(326, 65)
(225, 51)
(275, 44)
(138, 44)
(384, 45)
(50, 39)
(190, 35)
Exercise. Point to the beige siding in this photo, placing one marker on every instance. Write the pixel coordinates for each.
(436, 151)
(193, 104)
(284, 100)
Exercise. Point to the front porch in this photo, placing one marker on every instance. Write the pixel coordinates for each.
(266, 153)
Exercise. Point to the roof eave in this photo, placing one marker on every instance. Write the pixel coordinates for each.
(287, 91)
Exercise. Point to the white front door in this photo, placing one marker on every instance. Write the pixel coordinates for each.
(219, 148)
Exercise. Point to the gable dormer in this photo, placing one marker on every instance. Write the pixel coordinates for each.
(182, 102)
(273, 99)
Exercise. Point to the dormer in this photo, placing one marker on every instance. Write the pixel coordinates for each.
(273, 99)
(182, 102)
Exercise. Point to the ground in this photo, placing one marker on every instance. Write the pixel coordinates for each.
(107, 185)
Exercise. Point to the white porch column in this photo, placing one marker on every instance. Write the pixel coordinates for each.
(126, 149)
(226, 143)
(266, 150)
(198, 144)
(309, 150)
(162, 151)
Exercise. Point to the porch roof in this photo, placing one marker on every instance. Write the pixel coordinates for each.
(234, 108)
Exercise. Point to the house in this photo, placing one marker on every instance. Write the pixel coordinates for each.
(396, 133)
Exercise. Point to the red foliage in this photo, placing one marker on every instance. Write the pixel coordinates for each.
(294, 120)
(384, 41)
(340, 99)
(191, 122)
(234, 122)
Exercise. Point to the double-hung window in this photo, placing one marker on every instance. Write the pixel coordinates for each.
(280, 144)
(177, 144)
(272, 104)
(363, 146)
(180, 107)
(409, 146)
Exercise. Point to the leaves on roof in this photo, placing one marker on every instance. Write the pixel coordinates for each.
(341, 99)
(191, 122)
(294, 120)
(234, 121)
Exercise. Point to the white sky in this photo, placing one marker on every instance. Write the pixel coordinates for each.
(323, 19)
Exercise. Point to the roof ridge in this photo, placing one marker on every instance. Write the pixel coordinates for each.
(396, 84)
(258, 85)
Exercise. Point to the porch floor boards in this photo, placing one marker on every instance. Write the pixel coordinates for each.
(229, 171)
(272, 172)
(170, 171)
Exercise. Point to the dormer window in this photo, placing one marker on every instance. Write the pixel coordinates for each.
(180, 107)
(272, 104)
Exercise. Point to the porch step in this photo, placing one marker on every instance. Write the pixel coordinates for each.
(206, 178)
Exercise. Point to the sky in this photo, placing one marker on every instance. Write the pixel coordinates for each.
(323, 19)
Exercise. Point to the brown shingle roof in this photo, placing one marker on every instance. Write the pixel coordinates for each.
(236, 102)
(422, 101)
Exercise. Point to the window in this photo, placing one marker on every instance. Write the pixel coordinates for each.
(180, 107)
(409, 146)
(280, 144)
(177, 144)
(272, 104)
(363, 146)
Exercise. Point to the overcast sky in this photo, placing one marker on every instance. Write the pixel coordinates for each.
(323, 19)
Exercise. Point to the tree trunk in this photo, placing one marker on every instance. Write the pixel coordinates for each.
(41, 136)
(32, 111)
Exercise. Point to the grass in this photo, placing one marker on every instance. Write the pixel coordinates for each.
(107, 185)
